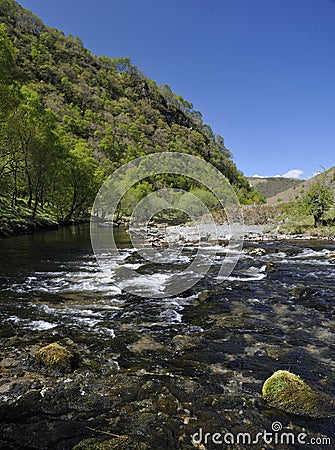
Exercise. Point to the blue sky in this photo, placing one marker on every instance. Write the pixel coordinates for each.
(262, 72)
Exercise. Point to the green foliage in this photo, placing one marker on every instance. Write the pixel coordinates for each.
(316, 201)
(7, 56)
(78, 180)
(8, 75)
(69, 118)
(32, 148)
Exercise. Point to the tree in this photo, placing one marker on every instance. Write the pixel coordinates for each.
(33, 148)
(79, 179)
(9, 96)
(8, 74)
(121, 64)
(316, 202)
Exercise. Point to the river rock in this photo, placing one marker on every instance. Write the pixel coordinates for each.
(288, 392)
(331, 255)
(55, 356)
(186, 342)
(256, 251)
(301, 292)
(204, 296)
(145, 343)
(270, 267)
(7, 363)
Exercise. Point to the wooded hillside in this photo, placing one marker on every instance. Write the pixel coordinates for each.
(70, 118)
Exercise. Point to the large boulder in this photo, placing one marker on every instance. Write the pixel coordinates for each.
(286, 391)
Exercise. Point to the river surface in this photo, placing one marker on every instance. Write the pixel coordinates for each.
(197, 361)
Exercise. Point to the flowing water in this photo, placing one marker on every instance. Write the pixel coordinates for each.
(211, 347)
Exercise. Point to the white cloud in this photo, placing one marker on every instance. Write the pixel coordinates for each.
(294, 173)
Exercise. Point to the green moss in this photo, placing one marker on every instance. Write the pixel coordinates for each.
(55, 356)
(286, 391)
(301, 292)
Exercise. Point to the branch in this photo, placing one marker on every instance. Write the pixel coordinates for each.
(108, 433)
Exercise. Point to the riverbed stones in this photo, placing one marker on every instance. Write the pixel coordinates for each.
(145, 343)
(55, 356)
(186, 342)
(331, 255)
(288, 392)
(7, 363)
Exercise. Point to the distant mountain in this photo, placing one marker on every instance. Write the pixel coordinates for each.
(299, 189)
(271, 186)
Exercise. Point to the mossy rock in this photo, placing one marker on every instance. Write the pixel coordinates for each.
(301, 292)
(288, 392)
(270, 267)
(203, 296)
(111, 444)
(55, 356)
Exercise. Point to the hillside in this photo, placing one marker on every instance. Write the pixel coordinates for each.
(70, 118)
(271, 186)
(297, 191)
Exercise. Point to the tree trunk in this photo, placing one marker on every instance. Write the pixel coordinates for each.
(73, 205)
(317, 221)
(35, 205)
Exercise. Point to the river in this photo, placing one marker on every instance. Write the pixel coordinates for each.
(160, 370)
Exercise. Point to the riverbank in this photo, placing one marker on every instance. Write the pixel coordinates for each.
(13, 226)
(19, 220)
(222, 234)
(261, 224)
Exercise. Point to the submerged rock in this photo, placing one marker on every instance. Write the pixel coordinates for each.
(186, 342)
(286, 391)
(145, 343)
(270, 267)
(301, 292)
(55, 356)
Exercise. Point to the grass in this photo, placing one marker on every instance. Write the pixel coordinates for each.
(289, 221)
(15, 220)
(305, 225)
